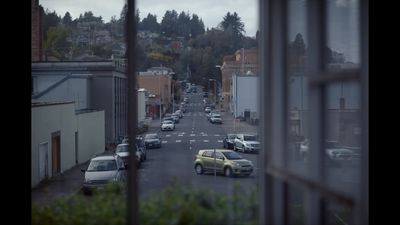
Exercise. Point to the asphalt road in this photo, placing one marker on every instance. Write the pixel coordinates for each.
(176, 156)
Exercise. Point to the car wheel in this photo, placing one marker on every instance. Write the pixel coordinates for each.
(199, 169)
(225, 145)
(228, 172)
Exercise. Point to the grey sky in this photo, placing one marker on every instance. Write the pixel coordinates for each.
(210, 11)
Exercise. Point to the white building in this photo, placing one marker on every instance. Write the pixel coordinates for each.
(141, 104)
(62, 138)
(244, 96)
(91, 85)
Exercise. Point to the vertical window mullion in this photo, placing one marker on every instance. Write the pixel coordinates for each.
(361, 215)
(315, 64)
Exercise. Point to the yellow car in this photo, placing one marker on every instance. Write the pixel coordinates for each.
(223, 161)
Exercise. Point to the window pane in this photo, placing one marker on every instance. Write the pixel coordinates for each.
(342, 143)
(337, 214)
(343, 45)
(185, 62)
(297, 87)
(297, 206)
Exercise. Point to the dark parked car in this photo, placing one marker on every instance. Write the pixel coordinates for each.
(229, 141)
(152, 141)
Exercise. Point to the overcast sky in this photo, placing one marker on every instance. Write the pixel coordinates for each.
(210, 11)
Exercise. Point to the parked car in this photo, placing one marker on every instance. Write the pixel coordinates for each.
(246, 143)
(142, 127)
(179, 112)
(167, 125)
(229, 141)
(216, 118)
(207, 110)
(168, 119)
(223, 161)
(175, 117)
(141, 147)
(152, 141)
(333, 151)
(123, 152)
(103, 169)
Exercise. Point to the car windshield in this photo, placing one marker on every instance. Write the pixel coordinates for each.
(216, 116)
(151, 136)
(250, 138)
(102, 165)
(122, 148)
(232, 155)
(231, 136)
(167, 122)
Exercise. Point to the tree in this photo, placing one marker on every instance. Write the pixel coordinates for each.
(50, 19)
(169, 23)
(67, 19)
(56, 43)
(196, 26)
(232, 23)
(150, 23)
(184, 25)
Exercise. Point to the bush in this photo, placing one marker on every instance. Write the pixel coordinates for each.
(173, 205)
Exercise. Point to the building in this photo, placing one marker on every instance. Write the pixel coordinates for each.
(62, 137)
(242, 61)
(157, 81)
(98, 85)
(244, 102)
(36, 31)
(141, 104)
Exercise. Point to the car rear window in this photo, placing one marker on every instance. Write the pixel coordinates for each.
(102, 165)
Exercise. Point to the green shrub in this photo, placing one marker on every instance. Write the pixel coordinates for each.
(174, 205)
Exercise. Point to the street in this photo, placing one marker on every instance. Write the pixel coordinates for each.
(179, 147)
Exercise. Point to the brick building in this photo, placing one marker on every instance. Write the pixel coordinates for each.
(36, 31)
(243, 61)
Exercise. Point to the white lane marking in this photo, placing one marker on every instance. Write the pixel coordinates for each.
(204, 135)
(220, 141)
(163, 142)
(168, 135)
(192, 141)
(180, 135)
(216, 135)
(205, 140)
(192, 135)
(178, 140)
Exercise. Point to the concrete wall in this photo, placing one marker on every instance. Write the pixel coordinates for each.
(46, 120)
(73, 89)
(245, 94)
(91, 134)
(104, 92)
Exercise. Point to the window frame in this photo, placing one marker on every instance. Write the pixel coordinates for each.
(276, 179)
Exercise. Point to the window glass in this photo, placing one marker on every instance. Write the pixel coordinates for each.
(297, 88)
(343, 36)
(342, 144)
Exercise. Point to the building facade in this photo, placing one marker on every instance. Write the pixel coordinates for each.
(36, 31)
(243, 61)
(62, 138)
(157, 81)
(91, 85)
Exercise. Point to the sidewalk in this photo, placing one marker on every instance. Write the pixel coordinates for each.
(61, 185)
(230, 125)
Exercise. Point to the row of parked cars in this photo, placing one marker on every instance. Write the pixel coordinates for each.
(169, 120)
(112, 166)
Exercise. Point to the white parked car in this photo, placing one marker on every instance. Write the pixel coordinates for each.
(216, 118)
(333, 151)
(207, 109)
(246, 143)
(167, 125)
